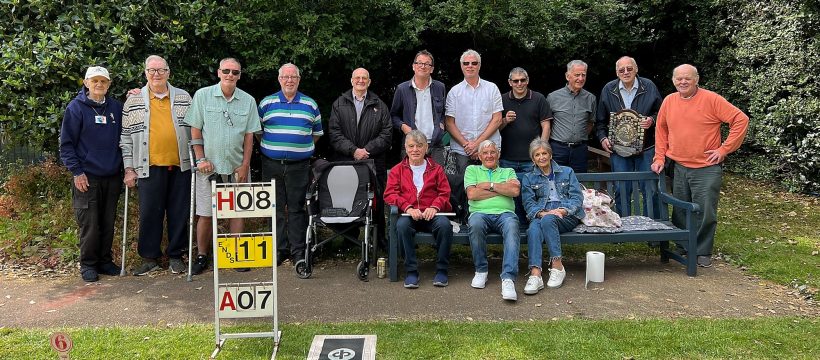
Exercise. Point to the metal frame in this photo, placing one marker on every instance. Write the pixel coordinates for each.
(276, 334)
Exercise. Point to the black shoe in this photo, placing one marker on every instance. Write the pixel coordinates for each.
(89, 275)
(705, 261)
(242, 269)
(200, 264)
(109, 269)
(281, 257)
(147, 266)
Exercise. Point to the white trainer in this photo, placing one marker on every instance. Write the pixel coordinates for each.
(508, 290)
(534, 284)
(479, 280)
(556, 278)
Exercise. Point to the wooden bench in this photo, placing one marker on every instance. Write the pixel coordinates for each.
(598, 181)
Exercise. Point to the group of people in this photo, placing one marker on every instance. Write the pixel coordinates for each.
(491, 188)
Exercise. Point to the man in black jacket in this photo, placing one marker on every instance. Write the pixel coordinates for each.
(360, 129)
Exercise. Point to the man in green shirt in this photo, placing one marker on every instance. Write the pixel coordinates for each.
(490, 192)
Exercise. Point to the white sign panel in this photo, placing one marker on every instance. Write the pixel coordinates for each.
(244, 200)
(245, 300)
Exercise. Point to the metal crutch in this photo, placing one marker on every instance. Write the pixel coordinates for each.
(191, 144)
(124, 231)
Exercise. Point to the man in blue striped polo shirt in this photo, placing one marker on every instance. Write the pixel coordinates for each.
(292, 125)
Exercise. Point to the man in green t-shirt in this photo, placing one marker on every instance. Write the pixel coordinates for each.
(490, 192)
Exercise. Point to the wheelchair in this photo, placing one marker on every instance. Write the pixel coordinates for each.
(340, 198)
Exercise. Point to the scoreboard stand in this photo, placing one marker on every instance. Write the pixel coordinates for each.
(244, 250)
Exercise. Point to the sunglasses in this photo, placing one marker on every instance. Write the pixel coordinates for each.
(518, 81)
(625, 70)
(473, 63)
(229, 71)
(228, 117)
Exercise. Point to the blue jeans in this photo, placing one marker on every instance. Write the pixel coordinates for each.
(547, 230)
(440, 226)
(520, 168)
(573, 156)
(640, 162)
(505, 224)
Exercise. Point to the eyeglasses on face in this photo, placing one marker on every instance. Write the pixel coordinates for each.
(162, 71)
(422, 64)
(519, 81)
(473, 63)
(625, 70)
(228, 117)
(230, 71)
(289, 77)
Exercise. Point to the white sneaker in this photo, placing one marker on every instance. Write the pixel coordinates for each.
(508, 290)
(479, 280)
(556, 278)
(534, 283)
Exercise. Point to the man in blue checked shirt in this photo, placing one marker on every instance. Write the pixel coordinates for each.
(292, 125)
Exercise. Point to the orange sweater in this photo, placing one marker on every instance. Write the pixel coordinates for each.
(687, 128)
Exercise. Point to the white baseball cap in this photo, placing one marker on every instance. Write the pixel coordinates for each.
(96, 71)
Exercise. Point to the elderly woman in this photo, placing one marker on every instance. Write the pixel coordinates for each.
(419, 188)
(554, 204)
(90, 149)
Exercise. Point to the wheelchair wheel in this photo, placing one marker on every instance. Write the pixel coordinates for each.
(362, 270)
(303, 270)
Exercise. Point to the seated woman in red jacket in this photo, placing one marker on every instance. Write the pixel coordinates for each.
(419, 188)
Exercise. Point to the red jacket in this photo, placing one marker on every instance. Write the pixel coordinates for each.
(401, 191)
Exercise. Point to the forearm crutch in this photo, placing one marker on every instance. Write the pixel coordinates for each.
(191, 144)
(124, 231)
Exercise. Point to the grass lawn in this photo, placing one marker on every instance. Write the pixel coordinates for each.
(782, 338)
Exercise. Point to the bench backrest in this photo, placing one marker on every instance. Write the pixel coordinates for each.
(635, 180)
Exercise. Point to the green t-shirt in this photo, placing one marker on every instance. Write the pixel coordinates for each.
(475, 174)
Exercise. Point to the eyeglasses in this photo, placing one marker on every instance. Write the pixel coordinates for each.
(422, 64)
(162, 71)
(625, 70)
(473, 63)
(228, 117)
(229, 71)
(289, 77)
(519, 81)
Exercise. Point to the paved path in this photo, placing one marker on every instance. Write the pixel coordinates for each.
(632, 289)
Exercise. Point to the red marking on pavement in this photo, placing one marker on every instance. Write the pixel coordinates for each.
(75, 296)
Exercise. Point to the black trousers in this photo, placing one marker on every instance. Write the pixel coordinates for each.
(96, 212)
(292, 180)
(166, 192)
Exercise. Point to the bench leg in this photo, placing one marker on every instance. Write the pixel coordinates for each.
(393, 256)
(664, 246)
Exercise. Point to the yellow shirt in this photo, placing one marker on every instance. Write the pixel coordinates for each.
(162, 139)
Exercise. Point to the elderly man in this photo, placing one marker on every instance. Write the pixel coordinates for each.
(292, 125)
(154, 146)
(527, 116)
(227, 145)
(490, 190)
(473, 114)
(688, 133)
(573, 111)
(630, 91)
(90, 149)
(418, 104)
(360, 129)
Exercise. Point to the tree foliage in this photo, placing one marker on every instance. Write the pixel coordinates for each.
(760, 55)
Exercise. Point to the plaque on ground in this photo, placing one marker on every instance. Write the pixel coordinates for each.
(343, 347)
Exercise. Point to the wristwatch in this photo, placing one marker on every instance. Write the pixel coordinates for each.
(492, 186)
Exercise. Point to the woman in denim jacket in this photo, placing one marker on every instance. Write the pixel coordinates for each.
(553, 201)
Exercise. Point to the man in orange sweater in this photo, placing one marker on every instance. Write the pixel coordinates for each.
(688, 132)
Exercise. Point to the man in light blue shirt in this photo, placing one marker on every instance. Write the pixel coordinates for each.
(225, 119)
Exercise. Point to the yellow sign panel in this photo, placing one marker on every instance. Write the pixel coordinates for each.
(242, 251)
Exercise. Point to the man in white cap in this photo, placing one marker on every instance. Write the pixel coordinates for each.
(89, 148)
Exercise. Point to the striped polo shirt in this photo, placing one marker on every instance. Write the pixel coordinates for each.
(289, 127)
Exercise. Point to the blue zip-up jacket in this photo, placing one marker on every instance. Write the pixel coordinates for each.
(535, 191)
(647, 102)
(403, 110)
(90, 144)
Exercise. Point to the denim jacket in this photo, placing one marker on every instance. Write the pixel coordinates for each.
(535, 191)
